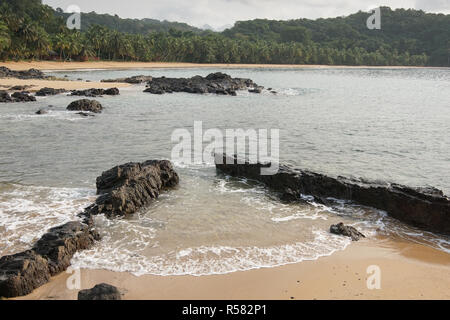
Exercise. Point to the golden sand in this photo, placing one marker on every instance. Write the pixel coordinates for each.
(408, 271)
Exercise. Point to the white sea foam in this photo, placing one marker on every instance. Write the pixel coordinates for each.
(27, 212)
(207, 260)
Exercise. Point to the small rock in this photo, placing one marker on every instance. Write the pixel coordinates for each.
(101, 291)
(85, 105)
(348, 231)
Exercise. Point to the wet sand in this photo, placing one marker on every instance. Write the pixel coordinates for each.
(408, 271)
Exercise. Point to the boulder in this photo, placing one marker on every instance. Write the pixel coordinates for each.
(85, 105)
(21, 273)
(101, 291)
(348, 231)
(126, 188)
(112, 92)
(425, 208)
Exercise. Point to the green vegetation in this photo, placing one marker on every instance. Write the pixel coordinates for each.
(30, 30)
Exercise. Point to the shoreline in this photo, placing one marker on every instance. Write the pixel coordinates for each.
(111, 65)
(408, 271)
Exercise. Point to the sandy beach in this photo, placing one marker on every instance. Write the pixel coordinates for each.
(408, 271)
(56, 65)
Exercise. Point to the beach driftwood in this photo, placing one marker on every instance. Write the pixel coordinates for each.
(123, 190)
(425, 208)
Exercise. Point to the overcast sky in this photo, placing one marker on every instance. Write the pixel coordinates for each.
(218, 13)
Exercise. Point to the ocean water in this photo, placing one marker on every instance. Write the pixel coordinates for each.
(379, 124)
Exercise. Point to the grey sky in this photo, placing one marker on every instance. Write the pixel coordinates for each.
(218, 13)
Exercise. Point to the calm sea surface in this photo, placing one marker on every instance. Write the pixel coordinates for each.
(379, 124)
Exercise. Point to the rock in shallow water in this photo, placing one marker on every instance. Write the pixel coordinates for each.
(126, 188)
(218, 83)
(101, 291)
(348, 231)
(86, 105)
(426, 208)
(49, 92)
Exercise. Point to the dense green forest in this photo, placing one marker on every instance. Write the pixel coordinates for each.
(30, 30)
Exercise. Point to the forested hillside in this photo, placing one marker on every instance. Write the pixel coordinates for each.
(30, 30)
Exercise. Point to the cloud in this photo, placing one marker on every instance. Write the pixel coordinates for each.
(217, 13)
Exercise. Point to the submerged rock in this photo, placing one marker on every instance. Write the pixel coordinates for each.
(127, 188)
(426, 208)
(86, 105)
(218, 83)
(23, 272)
(132, 80)
(101, 291)
(348, 231)
(42, 111)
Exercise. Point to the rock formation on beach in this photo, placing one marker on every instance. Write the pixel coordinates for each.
(19, 96)
(95, 92)
(425, 208)
(132, 80)
(86, 105)
(122, 190)
(23, 272)
(218, 83)
(101, 291)
(347, 231)
(23, 74)
(49, 92)
(126, 188)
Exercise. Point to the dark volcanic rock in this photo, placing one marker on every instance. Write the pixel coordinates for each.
(218, 83)
(85, 114)
(22, 97)
(101, 291)
(85, 105)
(24, 74)
(126, 188)
(21, 273)
(59, 244)
(95, 92)
(49, 92)
(5, 96)
(426, 208)
(348, 231)
(132, 80)
(42, 111)
(20, 88)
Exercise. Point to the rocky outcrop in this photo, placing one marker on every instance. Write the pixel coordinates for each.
(122, 190)
(23, 272)
(22, 96)
(133, 80)
(426, 208)
(49, 92)
(101, 291)
(217, 83)
(347, 231)
(23, 74)
(126, 188)
(95, 92)
(86, 105)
